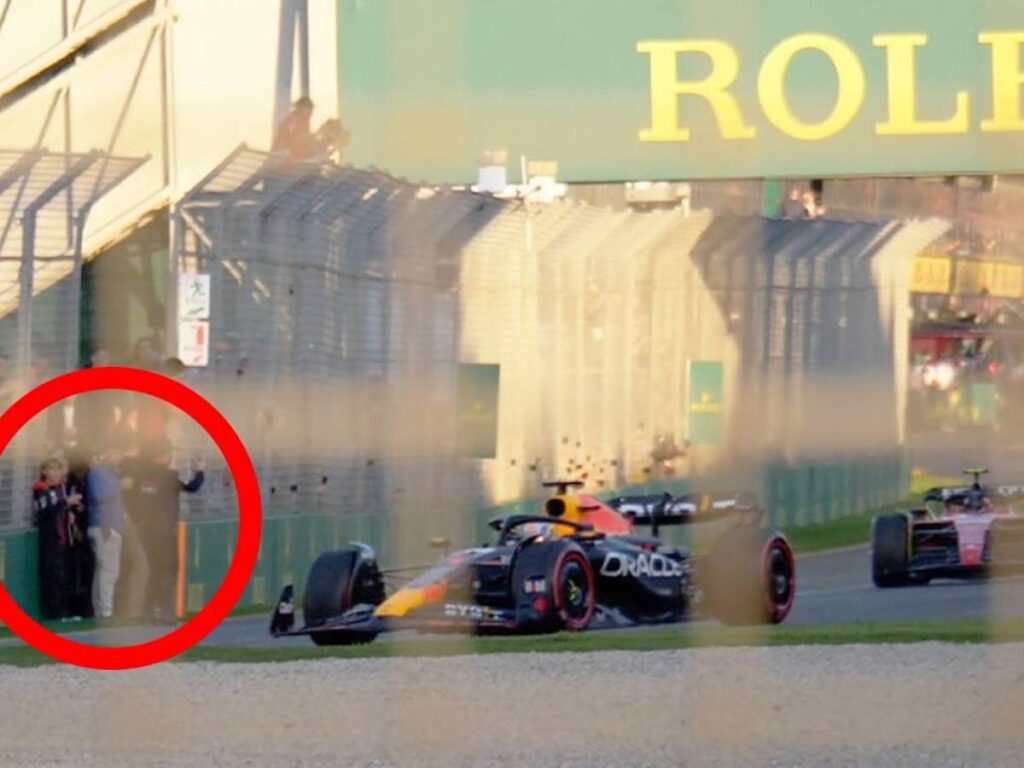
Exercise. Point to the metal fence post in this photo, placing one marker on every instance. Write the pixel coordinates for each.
(22, 446)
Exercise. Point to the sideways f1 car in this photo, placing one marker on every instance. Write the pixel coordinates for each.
(963, 532)
(582, 564)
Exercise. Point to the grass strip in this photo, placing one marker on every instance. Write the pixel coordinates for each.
(660, 639)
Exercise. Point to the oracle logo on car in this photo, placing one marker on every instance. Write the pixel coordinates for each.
(618, 564)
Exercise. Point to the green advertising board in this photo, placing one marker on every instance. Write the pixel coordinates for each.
(477, 427)
(984, 403)
(684, 89)
(705, 398)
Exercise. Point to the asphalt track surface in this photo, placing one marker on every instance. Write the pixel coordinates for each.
(832, 587)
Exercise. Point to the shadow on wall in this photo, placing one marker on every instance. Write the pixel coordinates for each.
(818, 309)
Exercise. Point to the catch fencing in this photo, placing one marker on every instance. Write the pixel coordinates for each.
(345, 302)
(347, 305)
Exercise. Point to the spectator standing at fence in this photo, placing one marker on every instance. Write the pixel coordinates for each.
(153, 419)
(793, 208)
(130, 595)
(135, 566)
(81, 562)
(332, 138)
(145, 354)
(810, 205)
(106, 522)
(158, 492)
(295, 134)
(53, 509)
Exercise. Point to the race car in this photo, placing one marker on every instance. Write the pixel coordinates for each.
(963, 532)
(581, 564)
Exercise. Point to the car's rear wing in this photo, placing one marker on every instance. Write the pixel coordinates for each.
(665, 509)
(950, 493)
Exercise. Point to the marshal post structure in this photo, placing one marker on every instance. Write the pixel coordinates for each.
(669, 89)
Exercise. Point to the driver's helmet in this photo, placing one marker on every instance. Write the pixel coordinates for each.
(976, 500)
(561, 508)
(546, 530)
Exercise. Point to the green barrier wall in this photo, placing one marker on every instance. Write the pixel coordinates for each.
(817, 493)
(19, 568)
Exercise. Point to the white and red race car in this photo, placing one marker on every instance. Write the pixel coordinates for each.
(963, 532)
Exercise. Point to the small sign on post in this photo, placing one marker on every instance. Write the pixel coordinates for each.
(193, 297)
(194, 342)
(194, 319)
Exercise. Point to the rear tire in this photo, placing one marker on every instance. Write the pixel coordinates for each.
(750, 577)
(889, 551)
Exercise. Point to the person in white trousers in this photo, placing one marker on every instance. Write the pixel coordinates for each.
(106, 546)
(106, 524)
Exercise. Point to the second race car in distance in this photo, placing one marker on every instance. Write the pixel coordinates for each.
(581, 564)
(962, 532)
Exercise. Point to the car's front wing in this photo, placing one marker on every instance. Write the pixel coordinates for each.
(447, 617)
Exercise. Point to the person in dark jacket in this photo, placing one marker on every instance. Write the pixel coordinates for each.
(81, 564)
(158, 489)
(54, 510)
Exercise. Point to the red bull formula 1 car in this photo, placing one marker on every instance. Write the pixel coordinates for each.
(963, 532)
(582, 564)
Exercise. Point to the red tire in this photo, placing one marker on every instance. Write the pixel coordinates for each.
(779, 578)
(573, 590)
(750, 577)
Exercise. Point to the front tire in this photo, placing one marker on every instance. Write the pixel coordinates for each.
(328, 586)
(570, 598)
(574, 596)
(336, 582)
(889, 551)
